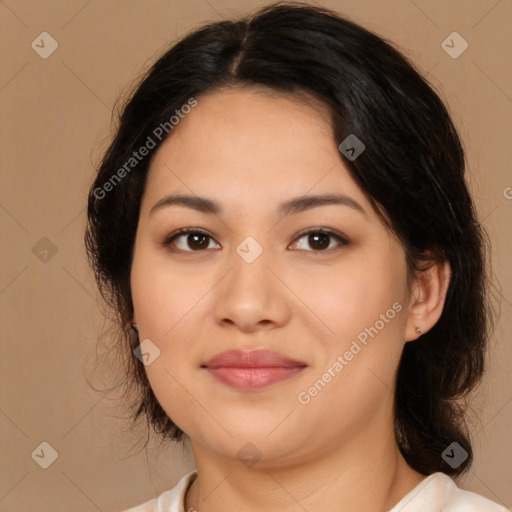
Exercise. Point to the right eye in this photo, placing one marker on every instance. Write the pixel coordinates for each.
(192, 240)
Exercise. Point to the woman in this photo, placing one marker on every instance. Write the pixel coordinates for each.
(283, 227)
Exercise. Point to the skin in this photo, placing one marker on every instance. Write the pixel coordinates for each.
(249, 151)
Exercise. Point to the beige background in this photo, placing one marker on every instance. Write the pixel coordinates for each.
(55, 122)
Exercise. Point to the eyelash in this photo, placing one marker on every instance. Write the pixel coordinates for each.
(198, 231)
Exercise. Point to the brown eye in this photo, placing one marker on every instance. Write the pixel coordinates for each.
(197, 240)
(321, 240)
(190, 240)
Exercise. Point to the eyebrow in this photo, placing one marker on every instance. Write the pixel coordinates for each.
(291, 206)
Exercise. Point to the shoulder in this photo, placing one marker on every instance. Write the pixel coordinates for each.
(439, 493)
(169, 501)
(467, 501)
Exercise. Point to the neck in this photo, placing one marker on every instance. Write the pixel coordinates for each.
(369, 473)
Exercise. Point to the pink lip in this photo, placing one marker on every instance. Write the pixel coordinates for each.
(251, 370)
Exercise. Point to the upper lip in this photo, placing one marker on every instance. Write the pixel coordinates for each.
(251, 359)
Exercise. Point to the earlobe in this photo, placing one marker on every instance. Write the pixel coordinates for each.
(427, 299)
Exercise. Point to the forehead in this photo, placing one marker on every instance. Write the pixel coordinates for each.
(251, 144)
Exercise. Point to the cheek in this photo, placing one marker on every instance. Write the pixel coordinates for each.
(162, 293)
(163, 300)
(352, 295)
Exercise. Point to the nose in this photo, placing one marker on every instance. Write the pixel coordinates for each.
(251, 297)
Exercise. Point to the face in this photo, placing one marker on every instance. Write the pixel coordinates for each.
(320, 282)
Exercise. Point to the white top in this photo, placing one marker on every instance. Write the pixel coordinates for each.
(436, 493)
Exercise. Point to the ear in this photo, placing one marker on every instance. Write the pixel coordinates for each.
(427, 299)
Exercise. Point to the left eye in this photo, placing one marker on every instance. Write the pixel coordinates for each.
(321, 240)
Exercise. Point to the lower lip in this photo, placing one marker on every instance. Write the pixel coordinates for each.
(248, 379)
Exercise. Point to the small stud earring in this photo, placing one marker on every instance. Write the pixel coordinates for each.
(418, 330)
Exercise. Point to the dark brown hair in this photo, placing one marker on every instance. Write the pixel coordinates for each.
(412, 170)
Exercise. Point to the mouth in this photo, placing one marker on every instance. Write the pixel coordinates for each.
(252, 370)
